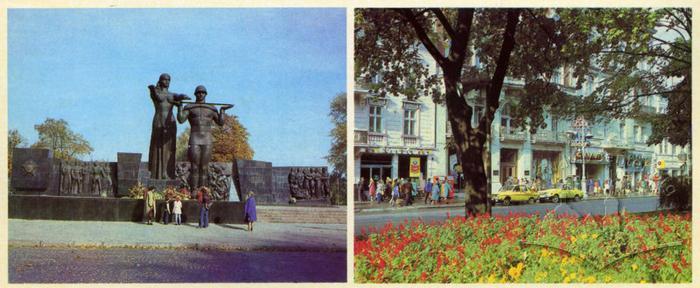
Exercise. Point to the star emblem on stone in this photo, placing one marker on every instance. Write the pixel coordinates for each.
(30, 167)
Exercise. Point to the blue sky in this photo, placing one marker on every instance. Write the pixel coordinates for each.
(91, 67)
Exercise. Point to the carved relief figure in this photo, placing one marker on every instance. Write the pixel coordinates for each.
(182, 173)
(96, 181)
(106, 174)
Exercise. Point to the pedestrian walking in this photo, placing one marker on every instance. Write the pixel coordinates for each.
(607, 187)
(372, 189)
(250, 211)
(204, 200)
(149, 204)
(380, 190)
(435, 191)
(449, 187)
(177, 210)
(394, 195)
(428, 190)
(408, 190)
(443, 192)
(166, 210)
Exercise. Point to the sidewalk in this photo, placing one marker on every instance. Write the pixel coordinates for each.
(92, 234)
(366, 206)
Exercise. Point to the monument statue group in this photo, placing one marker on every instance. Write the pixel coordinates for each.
(36, 172)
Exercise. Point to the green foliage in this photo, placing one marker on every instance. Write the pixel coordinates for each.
(676, 193)
(56, 135)
(337, 156)
(14, 140)
(638, 54)
(230, 142)
(338, 190)
(529, 249)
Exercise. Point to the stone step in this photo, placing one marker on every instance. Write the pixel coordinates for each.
(316, 215)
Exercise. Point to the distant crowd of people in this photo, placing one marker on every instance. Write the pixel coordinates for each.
(620, 187)
(401, 191)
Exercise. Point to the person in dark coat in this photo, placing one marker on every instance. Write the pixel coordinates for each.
(250, 214)
(204, 203)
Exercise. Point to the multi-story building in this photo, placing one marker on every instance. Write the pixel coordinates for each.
(391, 131)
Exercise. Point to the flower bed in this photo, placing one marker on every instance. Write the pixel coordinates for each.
(522, 248)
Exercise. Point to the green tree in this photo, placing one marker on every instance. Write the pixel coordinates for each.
(584, 42)
(337, 155)
(56, 135)
(230, 142)
(392, 42)
(640, 53)
(14, 140)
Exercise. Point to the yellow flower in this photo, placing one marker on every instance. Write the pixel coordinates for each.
(643, 281)
(572, 276)
(589, 279)
(491, 279)
(583, 236)
(540, 275)
(567, 279)
(594, 236)
(573, 239)
(516, 271)
(607, 279)
(545, 253)
(634, 267)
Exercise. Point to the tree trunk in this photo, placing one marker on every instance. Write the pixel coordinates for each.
(469, 144)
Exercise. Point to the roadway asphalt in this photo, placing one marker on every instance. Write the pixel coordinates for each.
(593, 207)
(119, 265)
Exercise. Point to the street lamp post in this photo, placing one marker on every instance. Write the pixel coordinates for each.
(581, 123)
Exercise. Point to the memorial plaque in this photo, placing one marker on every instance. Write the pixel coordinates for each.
(256, 176)
(32, 169)
(128, 166)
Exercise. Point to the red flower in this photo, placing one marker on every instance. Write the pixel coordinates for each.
(423, 276)
(675, 267)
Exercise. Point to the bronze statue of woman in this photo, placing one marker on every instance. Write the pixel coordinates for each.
(161, 153)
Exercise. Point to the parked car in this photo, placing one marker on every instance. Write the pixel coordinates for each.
(558, 194)
(515, 193)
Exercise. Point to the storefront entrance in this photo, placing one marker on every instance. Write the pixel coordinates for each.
(509, 164)
(376, 166)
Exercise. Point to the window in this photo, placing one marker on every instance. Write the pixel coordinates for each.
(409, 122)
(673, 149)
(637, 133)
(556, 77)
(622, 132)
(375, 119)
(555, 125)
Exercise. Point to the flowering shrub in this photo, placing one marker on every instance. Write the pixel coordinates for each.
(522, 248)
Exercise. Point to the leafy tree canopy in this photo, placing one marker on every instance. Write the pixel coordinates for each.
(56, 135)
(338, 152)
(230, 142)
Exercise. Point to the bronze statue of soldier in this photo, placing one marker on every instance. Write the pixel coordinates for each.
(161, 153)
(201, 117)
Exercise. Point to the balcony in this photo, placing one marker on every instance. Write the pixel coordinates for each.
(549, 137)
(366, 138)
(647, 109)
(512, 134)
(410, 141)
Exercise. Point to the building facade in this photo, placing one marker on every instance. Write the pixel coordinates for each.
(392, 132)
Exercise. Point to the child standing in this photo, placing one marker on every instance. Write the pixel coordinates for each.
(177, 210)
